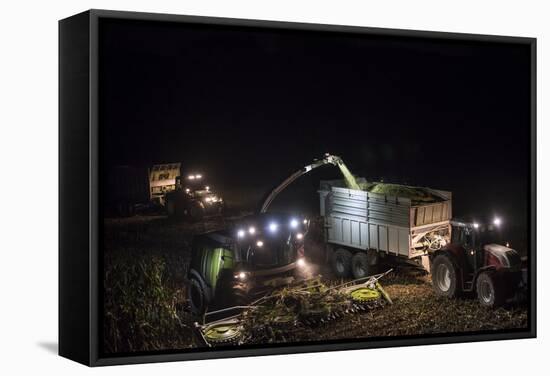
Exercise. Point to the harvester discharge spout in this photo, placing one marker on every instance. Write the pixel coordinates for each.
(328, 159)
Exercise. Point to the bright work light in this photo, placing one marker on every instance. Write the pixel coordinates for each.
(273, 227)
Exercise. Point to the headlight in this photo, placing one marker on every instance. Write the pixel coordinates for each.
(476, 225)
(497, 221)
(301, 262)
(251, 230)
(260, 243)
(242, 276)
(198, 176)
(299, 236)
(191, 177)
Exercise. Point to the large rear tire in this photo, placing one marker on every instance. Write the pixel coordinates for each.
(341, 263)
(445, 276)
(373, 258)
(360, 266)
(490, 292)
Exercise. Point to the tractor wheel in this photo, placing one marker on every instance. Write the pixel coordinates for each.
(198, 296)
(490, 292)
(360, 266)
(170, 208)
(196, 213)
(444, 276)
(341, 263)
(221, 209)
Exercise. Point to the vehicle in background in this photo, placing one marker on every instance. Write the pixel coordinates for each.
(162, 179)
(477, 260)
(131, 189)
(234, 266)
(192, 198)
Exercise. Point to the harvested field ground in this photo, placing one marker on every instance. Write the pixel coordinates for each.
(416, 310)
(146, 261)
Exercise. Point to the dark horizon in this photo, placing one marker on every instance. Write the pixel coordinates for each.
(248, 106)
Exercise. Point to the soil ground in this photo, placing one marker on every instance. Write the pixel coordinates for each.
(144, 301)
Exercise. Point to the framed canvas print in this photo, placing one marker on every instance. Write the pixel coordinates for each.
(237, 187)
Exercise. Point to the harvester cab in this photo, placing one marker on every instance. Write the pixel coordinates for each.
(193, 199)
(232, 267)
(477, 260)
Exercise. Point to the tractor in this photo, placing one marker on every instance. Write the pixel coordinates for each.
(262, 251)
(233, 266)
(193, 199)
(477, 260)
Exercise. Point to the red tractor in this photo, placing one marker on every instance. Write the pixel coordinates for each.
(477, 261)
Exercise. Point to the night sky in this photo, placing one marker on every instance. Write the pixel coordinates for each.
(248, 106)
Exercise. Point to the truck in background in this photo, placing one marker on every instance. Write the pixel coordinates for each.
(162, 179)
(130, 189)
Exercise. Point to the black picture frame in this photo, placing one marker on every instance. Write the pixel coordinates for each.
(79, 212)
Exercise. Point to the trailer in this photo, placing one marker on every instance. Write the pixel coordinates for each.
(162, 179)
(361, 225)
(129, 189)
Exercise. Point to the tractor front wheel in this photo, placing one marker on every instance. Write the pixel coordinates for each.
(170, 208)
(490, 292)
(198, 296)
(196, 212)
(341, 263)
(444, 276)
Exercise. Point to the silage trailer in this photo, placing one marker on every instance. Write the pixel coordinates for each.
(360, 226)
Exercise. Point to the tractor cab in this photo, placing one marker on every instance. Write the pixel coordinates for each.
(191, 183)
(193, 198)
(473, 237)
(474, 234)
(231, 267)
(477, 259)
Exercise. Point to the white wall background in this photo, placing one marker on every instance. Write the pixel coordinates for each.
(28, 184)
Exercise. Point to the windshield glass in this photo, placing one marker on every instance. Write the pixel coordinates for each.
(487, 235)
(270, 255)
